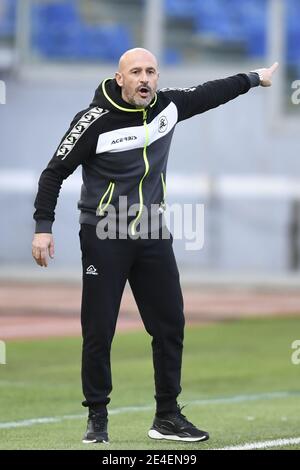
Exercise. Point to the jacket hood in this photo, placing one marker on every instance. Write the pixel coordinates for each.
(108, 96)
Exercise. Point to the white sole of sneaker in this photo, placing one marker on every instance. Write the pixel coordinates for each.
(86, 441)
(157, 435)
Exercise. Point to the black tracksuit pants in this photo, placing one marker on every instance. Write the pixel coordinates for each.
(150, 267)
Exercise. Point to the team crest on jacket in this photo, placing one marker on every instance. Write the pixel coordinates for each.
(162, 124)
(78, 130)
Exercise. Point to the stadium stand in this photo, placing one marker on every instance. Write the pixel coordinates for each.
(60, 32)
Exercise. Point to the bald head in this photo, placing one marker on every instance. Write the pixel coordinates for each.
(137, 54)
(137, 76)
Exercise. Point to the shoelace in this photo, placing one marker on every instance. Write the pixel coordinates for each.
(181, 418)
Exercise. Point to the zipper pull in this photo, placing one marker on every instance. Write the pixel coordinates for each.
(162, 208)
(144, 114)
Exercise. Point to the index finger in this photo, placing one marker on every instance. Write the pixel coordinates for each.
(274, 67)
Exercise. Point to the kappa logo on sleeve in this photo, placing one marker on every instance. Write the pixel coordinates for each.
(78, 130)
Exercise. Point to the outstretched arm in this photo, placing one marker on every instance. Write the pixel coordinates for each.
(209, 95)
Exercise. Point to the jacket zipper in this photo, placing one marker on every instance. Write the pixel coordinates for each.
(110, 190)
(141, 199)
(162, 206)
(133, 232)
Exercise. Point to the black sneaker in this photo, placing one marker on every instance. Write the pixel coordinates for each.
(175, 427)
(96, 428)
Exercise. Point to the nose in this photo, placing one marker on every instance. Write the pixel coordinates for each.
(143, 77)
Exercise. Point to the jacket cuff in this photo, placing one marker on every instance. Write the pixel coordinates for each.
(254, 79)
(43, 226)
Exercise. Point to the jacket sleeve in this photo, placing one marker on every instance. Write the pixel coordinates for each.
(74, 149)
(209, 95)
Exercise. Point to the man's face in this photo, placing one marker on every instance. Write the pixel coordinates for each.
(138, 77)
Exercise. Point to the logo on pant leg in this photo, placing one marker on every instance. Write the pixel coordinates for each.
(92, 270)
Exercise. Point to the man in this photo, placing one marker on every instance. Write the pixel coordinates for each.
(122, 141)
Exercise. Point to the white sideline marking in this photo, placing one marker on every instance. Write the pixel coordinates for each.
(126, 409)
(241, 398)
(31, 422)
(264, 444)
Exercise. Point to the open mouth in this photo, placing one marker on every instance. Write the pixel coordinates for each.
(144, 92)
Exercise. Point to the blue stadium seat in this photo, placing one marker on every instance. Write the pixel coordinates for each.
(243, 22)
(255, 19)
(293, 48)
(209, 15)
(215, 18)
(238, 21)
(8, 10)
(172, 56)
(59, 33)
(106, 42)
(293, 33)
(180, 9)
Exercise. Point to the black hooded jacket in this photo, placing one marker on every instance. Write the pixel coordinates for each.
(124, 150)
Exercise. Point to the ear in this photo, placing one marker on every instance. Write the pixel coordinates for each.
(119, 78)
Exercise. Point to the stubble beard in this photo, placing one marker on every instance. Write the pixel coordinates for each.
(140, 102)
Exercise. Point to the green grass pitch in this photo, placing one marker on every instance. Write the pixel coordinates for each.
(231, 373)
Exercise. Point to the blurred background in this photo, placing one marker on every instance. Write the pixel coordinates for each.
(241, 161)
